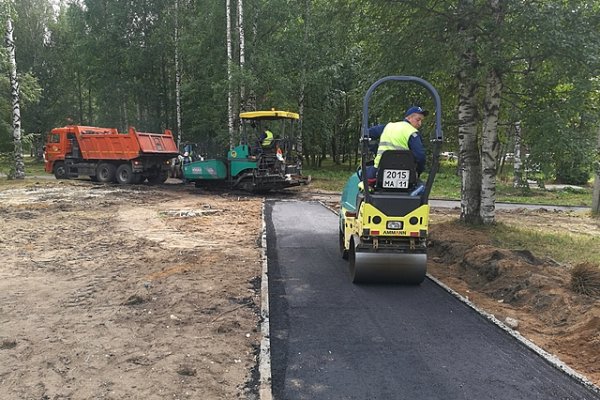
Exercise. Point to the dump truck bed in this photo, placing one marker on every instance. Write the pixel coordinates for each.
(109, 144)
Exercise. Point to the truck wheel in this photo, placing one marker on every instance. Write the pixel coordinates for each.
(163, 176)
(105, 173)
(159, 177)
(137, 179)
(60, 171)
(125, 175)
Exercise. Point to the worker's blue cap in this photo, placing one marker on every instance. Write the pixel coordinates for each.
(416, 109)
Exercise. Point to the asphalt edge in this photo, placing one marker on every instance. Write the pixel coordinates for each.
(550, 358)
(265, 391)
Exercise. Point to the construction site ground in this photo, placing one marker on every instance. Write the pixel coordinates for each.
(153, 292)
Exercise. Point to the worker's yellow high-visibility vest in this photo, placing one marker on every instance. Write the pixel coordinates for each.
(268, 140)
(394, 137)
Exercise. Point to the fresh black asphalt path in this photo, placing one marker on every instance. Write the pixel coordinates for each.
(331, 339)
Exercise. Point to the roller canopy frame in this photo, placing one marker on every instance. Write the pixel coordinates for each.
(437, 137)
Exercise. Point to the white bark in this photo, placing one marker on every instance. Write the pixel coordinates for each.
(19, 172)
(470, 167)
(229, 75)
(242, 38)
(518, 162)
(468, 153)
(489, 142)
(489, 147)
(177, 77)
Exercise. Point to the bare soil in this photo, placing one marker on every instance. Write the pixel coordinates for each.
(530, 293)
(137, 292)
(141, 292)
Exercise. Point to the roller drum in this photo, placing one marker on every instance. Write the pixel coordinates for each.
(380, 267)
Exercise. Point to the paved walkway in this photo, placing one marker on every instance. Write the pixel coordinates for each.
(331, 339)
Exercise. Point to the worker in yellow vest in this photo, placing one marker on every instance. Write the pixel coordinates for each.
(266, 139)
(401, 135)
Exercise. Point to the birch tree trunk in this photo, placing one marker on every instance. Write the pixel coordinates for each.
(518, 180)
(470, 167)
(489, 140)
(596, 195)
(229, 76)
(489, 146)
(241, 35)
(469, 160)
(177, 78)
(19, 172)
(80, 97)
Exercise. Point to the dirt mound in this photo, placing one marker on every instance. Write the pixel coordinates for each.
(534, 292)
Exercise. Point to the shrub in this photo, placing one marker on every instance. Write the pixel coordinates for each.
(574, 173)
(585, 279)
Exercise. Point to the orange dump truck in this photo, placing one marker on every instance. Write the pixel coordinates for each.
(106, 155)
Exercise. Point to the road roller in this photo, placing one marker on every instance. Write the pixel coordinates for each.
(383, 221)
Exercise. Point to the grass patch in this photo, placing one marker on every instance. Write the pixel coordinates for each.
(572, 248)
(447, 185)
(329, 177)
(564, 197)
(32, 167)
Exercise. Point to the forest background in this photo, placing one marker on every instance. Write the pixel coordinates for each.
(514, 76)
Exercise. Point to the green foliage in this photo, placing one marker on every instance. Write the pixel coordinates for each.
(7, 156)
(6, 163)
(30, 93)
(32, 167)
(112, 63)
(447, 184)
(575, 172)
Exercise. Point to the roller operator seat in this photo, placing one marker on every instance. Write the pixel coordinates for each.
(394, 165)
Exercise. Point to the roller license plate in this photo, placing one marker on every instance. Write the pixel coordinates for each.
(396, 178)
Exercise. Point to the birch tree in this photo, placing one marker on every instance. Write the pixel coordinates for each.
(489, 146)
(177, 77)
(229, 73)
(491, 107)
(242, 44)
(19, 167)
(518, 180)
(470, 167)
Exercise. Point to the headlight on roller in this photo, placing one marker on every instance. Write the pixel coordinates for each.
(394, 225)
